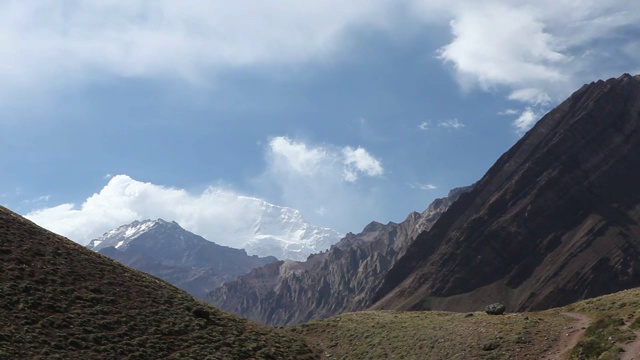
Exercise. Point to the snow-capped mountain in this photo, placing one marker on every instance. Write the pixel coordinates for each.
(261, 228)
(166, 250)
(282, 232)
(122, 236)
(219, 215)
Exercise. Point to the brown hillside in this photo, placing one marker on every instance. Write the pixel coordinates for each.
(59, 300)
(555, 220)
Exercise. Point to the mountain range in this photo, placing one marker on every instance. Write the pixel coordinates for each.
(555, 220)
(342, 279)
(166, 250)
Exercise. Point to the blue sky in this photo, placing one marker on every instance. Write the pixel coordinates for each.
(347, 111)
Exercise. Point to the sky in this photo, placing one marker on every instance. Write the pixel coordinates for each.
(349, 111)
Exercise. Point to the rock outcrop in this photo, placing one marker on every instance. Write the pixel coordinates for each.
(344, 278)
(555, 220)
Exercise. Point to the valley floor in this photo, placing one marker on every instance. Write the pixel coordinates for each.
(605, 328)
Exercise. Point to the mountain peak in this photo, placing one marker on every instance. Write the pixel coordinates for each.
(554, 220)
(341, 279)
(122, 235)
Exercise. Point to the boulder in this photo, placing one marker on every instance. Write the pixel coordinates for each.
(495, 309)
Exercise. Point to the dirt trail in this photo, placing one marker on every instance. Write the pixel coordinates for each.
(568, 337)
(632, 349)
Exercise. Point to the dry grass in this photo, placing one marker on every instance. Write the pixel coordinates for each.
(61, 301)
(435, 335)
(615, 316)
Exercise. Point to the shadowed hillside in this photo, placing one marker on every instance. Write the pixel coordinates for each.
(59, 300)
(554, 221)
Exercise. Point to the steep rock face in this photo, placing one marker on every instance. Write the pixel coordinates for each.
(555, 220)
(166, 250)
(341, 279)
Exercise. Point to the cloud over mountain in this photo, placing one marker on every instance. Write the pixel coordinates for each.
(218, 215)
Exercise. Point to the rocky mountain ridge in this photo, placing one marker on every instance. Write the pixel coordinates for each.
(555, 220)
(342, 279)
(166, 250)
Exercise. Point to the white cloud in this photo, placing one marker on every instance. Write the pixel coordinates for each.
(451, 124)
(297, 157)
(530, 95)
(359, 161)
(424, 125)
(540, 50)
(39, 199)
(526, 120)
(544, 45)
(337, 194)
(220, 215)
(501, 44)
(47, 42)
(508, 112)
(423, 186)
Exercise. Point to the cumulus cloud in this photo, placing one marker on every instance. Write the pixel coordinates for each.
(220, 215)
(501, 44)
(540, 50)
(543, 43)
(424, 125)
(335, 187)
(318, 180)
(295, 157)
(359, 161)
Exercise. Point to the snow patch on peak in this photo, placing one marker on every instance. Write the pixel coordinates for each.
(138, 229)
(252, 224)
(123, 235)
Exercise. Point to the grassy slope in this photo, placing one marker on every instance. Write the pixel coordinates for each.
(615, 317)
(446, 335)
(435, 335)
(59, 300)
